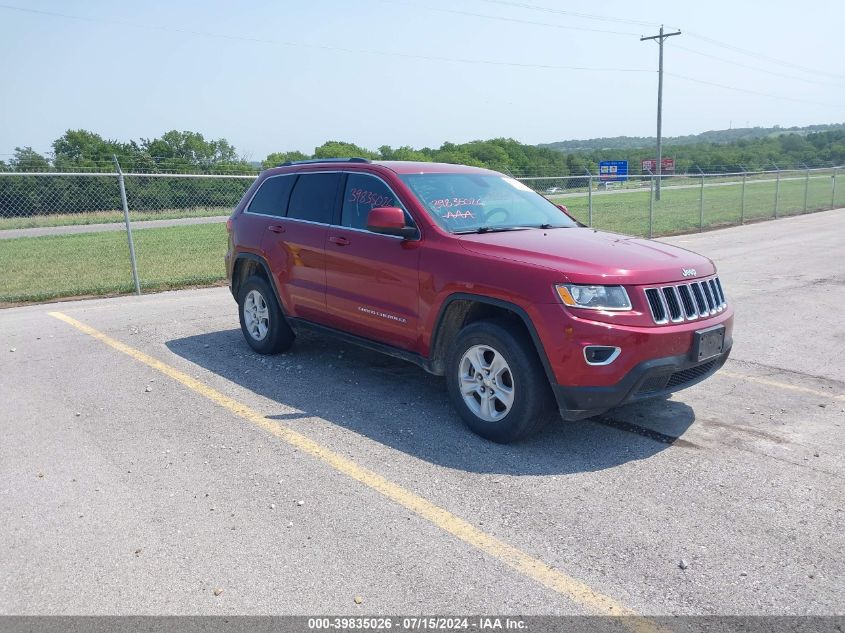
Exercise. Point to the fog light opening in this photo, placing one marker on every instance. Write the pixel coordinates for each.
(601, 354)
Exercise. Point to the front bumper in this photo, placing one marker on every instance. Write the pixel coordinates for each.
(649, 379)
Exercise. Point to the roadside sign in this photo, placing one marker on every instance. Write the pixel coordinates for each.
(667, 165)
(613, 170)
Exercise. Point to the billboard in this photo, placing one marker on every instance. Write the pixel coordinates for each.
(613, 170)
(667, 165)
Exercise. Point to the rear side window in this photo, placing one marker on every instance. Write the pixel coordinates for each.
(272, 197)
(313, 197)
(364, 193)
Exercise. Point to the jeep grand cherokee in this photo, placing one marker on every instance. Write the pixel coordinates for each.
(472, 275)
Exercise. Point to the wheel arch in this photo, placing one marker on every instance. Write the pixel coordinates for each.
(460, 309)
(247, 265)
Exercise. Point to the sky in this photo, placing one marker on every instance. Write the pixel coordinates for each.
(288, 75)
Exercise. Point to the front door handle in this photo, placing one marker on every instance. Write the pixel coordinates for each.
(276, 228)
(340, 241)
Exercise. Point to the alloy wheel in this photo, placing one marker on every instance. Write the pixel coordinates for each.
(256, 315)
(486, 383)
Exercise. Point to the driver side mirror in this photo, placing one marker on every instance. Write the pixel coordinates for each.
(390, 221)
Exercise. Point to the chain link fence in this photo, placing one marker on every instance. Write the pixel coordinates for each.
(69, 234)
(692, 202)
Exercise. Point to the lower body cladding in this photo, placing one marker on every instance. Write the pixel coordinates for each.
(649, 379)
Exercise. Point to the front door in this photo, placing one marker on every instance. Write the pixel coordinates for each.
(372, 280)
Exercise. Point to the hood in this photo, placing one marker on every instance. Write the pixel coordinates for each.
(585, 255)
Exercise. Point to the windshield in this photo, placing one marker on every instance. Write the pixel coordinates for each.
(468, 203)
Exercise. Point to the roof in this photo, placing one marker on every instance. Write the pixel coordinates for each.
(396, 166)
(412, 167)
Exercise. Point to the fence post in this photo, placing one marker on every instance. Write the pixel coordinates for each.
(651, 205)
(806, 187)
(128, 225)
(590, 197)
(701, 201)
(833, 191)
(777, 190)
(742, 205)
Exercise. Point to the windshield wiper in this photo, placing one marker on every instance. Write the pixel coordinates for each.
(493, 229)
(499, 229)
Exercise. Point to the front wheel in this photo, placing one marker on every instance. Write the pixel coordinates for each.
(496, 382)
(262, 323)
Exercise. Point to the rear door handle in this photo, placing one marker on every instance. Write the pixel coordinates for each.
(340, 241)
(276, 228)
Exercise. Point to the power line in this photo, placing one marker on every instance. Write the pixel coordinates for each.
(754, 68)
(341, 49)
(750, 53)
(428, 57)
(574, 14)
(755, 92)
(603, 18)
(487, 16)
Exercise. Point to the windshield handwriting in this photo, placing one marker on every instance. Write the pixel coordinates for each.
(455, 202)
(454, 215)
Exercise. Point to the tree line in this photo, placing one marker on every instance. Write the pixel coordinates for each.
(86, 151)
(730, 135)
(189, 152)
(172, 152)
(786, 151)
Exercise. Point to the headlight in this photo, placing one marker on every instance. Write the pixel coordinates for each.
(594, 297)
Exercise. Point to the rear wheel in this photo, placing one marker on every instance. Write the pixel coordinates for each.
(262, 323)
(496, 382)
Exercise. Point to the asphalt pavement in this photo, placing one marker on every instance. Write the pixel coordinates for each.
(150, 463)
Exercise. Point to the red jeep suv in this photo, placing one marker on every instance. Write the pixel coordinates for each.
(472, 275)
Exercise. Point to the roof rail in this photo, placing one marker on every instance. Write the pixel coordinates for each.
(356, 159)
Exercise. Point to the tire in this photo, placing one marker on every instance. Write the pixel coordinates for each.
(522, 402)
(263, 325)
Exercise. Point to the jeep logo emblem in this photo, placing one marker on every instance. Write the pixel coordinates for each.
(689, 272)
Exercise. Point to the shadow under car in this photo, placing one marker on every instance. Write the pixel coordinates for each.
(401, 406)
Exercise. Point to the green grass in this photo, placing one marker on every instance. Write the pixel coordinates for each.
(43, 268)
(105, 217)
(679, 209)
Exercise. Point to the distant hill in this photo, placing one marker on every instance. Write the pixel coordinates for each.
(713, 136)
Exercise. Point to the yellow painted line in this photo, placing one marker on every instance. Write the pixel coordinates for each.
(514, 557)
(780, 385)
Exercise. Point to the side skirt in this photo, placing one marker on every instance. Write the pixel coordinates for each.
(299, 325)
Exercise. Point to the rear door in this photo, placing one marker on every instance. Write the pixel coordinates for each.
(372, 280)
(295, 245)
(268, 205)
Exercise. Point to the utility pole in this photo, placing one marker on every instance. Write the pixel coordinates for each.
(659, 38)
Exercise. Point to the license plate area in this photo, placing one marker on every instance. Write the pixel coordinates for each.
(708, 343)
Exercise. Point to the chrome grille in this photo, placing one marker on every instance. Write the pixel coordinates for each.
(686, 301)
(670, 294)
(699, 299)
(690, 309)
(709, 296)
(656, 305)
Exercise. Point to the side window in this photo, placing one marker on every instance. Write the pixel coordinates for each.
(313, 197)
(362, 194)
(272, 197)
